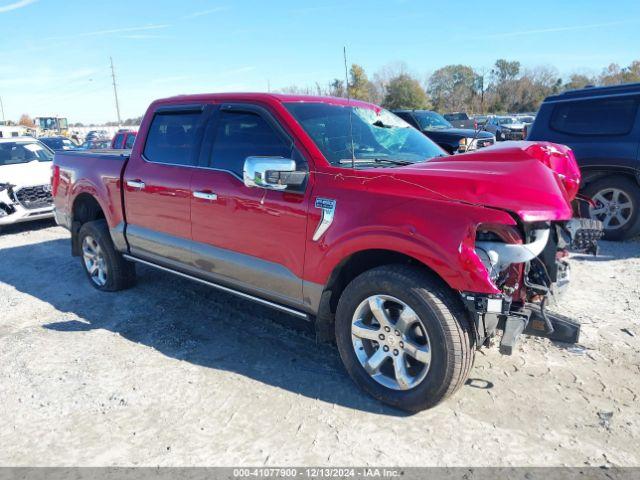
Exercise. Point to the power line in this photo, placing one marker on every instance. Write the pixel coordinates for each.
(115, 90)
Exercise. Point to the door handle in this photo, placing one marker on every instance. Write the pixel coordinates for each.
(205, 195)
(136, 184)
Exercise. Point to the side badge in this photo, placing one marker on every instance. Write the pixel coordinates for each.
(328, 211)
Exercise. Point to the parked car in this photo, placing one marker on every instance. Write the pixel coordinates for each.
(480, 120)
(58, 143)
(438, 129)
(602, 127)
(98, 144)
(123, 139)
(340, 213)
(505, 128)
(460, 120)
(96, 135)
(25, 180)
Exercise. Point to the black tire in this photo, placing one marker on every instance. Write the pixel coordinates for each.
(120, 273)
(444, 318)
(631, 189)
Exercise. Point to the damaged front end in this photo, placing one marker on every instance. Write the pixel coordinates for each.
(528, 264)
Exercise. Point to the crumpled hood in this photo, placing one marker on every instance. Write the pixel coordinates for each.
(26, 174)
(535, 180)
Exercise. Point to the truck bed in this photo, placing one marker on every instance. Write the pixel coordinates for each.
(102, 170)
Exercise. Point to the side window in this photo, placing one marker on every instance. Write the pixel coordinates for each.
(612, 116)
(118, 141)
(130, 139)
(172, 137)
(244, 134)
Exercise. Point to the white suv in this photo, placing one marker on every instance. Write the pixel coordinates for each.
(25, 180)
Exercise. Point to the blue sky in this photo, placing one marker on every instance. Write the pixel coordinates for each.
(55, 53)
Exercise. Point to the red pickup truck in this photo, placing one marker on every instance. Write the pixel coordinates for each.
(338, 212)
(123, 139)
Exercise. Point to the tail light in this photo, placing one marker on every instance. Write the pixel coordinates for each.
(55, 179)
(561, 160)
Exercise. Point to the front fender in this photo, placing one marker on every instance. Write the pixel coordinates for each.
(443, 241)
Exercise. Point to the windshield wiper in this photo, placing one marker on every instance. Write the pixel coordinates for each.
(375, 160)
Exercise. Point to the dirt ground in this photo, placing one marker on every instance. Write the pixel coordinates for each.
(173, 373)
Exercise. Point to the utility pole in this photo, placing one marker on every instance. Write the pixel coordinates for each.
(2, 108)
(115, 91)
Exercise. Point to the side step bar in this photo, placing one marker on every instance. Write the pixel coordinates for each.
(238, 293)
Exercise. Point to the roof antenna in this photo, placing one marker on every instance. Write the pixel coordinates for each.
(346, 79)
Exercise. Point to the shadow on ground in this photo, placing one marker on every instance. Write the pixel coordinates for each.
(187, 321)
(607, 252)
(26, 226)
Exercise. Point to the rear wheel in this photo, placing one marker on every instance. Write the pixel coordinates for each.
(617, 206)
(105, 267)
(403, 337)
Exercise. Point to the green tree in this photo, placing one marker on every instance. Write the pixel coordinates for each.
(577, 81)
(615, 75)
(405, 91)
(360, 87)
(452, 88)
(504, 70)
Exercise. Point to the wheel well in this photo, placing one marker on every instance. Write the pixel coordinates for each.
(590, 176)
(344, 273)
(85, 209)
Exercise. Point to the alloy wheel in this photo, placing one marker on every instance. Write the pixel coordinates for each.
(391, 342)
(613, 208)
(94, 261)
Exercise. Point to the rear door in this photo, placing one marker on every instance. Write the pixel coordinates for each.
(250, 238)
(157, 186)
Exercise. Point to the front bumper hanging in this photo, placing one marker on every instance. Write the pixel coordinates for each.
(494, 312)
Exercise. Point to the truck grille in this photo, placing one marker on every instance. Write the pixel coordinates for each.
(34, 197)
(513, 134)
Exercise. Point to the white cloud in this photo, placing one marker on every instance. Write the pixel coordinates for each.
(122, 30)
(16, 5)
(206, 12)
(555, 29)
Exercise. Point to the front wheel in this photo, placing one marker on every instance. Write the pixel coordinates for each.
(404, 337)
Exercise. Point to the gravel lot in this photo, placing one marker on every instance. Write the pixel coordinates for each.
(174, 373)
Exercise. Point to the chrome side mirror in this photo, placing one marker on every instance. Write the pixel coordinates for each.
(272, 173)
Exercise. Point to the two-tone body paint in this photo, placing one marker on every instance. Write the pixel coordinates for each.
(429, 211)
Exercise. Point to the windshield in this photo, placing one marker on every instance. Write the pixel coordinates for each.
(23, 152)
(431, 121)
(378, 136)
(506, 121)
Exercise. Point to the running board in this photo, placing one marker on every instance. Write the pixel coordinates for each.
(238, 293)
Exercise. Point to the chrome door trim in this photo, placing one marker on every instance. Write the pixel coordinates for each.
(262, 301)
